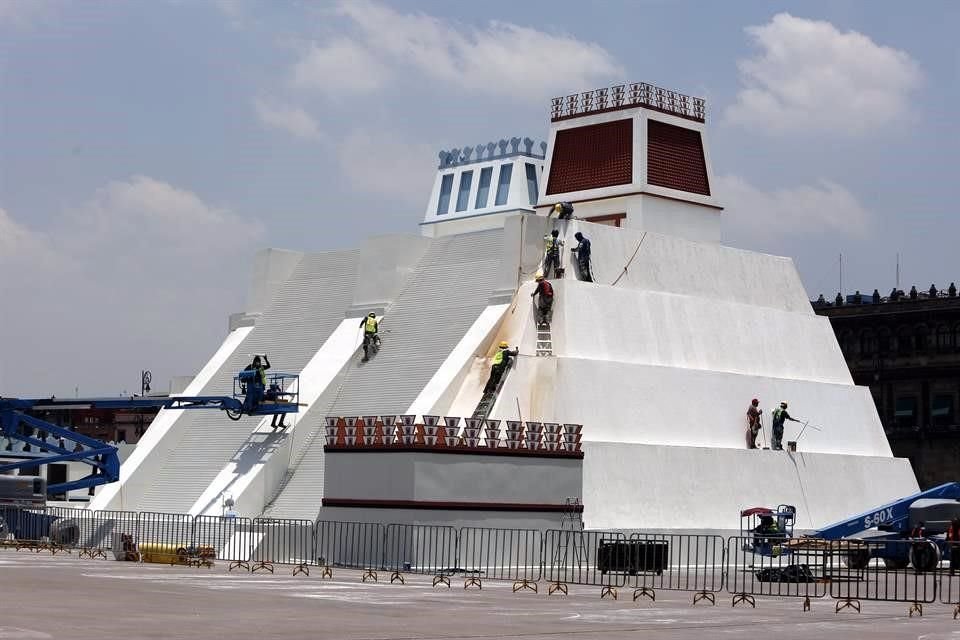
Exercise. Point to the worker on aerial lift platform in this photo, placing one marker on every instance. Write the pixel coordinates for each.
(551, 258)
(499, 364)
(544, 308)
(257, 391)
(371, 336)
(582, 250)
(780, 415)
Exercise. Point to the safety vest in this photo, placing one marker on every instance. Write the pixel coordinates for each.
(371, 325)
(550, 243)
(498, 357)
(778, 415)
(262, 376)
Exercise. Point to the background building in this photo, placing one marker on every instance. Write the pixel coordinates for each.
(907, 350)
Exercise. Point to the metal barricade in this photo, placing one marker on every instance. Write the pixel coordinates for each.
(673, 562)
(283, 541)
(355, 545)
(950, 579)
(25, 528)
(415, 548)
(501, 554)
(879, 571)
(165, 538)
(585, 557)
(220, 538)
(772, 566)
(97, 532)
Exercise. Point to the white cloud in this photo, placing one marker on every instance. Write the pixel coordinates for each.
(142, 274)
(293, 120)
(499, 59)
(809, 76)
(389, 166)
(340, 67)
(752, 214)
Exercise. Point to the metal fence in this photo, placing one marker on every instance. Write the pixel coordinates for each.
(878, 571)
(230, 539)
(501, 554)
(165, 537)
(283, 541)
(95, 533)
(586, 557)
(423, 549)
(356, 545)
(23, 527)
(764, 566)
(674, 562)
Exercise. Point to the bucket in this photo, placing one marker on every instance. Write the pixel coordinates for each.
(791, 445)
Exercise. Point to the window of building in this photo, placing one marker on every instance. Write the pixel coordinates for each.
(611, 220)
(868, 342)
(920, 337)
(532, 189)
(904, 341)
(503, 184)
(944, 338)
(884, 339)
(941, 410)
(483, 189)
(463, 194)
(905, 415)
(446, 188)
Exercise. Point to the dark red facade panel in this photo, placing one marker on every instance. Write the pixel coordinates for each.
(591, 157)
(675, 158)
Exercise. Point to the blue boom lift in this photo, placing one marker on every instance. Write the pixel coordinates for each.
(882, 530)
(279, 395)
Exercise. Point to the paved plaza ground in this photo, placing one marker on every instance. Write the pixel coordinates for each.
(62, 596)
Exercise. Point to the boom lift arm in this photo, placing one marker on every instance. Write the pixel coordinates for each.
(281, 395)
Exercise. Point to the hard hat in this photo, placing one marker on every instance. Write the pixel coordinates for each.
(504, 344)
(557, 207)
(372, 314)
(539, 277)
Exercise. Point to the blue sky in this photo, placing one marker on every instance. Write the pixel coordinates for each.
(148, 149)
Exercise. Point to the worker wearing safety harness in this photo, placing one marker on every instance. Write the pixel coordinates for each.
(544, 309)
(780, 415)
(551, 258)
(371, 337)
(498, 364)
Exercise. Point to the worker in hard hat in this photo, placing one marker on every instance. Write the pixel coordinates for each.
(564, 210)
(551, 258)
(543, 312)
(753, 423)
(371, 336)
(498, 365)
(582, 251)
(780, 415)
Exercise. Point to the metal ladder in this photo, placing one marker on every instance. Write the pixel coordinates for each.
(544, 340)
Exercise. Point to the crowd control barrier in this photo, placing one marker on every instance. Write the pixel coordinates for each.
(422, 549)
(283, 541)
(674, 562)
(596, 558)
(230, 539)
(501, 554)
(950, 588)
(167, 538)
(26, 528)
(353, 545)
(765, 566)
(858, 572)
(98, 533)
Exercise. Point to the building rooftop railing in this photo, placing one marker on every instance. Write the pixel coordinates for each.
(895, 296)
(628, 96)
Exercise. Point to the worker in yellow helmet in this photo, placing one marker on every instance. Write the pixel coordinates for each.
(498, 365)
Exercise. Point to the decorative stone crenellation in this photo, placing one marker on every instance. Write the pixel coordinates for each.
(469, 154)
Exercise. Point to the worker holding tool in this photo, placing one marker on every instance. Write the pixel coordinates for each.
(753, 423)
(544, 308)
(582, 250)
(551, 258)
(371, 336)
(498, 364)
(780, 415)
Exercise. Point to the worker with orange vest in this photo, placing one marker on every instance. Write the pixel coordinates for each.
(544, 309)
